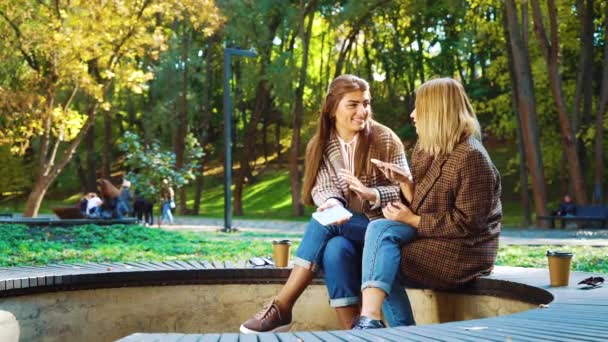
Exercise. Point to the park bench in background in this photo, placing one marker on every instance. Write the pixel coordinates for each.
(584, 213)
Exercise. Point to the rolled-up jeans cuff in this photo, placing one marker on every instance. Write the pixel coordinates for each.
(307, 264)
(347, 301)
(377, 284)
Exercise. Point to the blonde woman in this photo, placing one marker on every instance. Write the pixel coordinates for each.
(346, 139)
(452, 202)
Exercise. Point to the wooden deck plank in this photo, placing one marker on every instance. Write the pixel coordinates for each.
(541, 325)
(307, 336)
(541, 319)
(197, 265)
(287, 337)
(190, 338)
(248, 338)
(345, 336)
(424, 331)
(210, 338)
(410, 334)
(267, 337)
(326, 336)
(487, 332)
(549, 332)
(230, 337)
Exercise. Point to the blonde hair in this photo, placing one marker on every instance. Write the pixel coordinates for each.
(444, 116)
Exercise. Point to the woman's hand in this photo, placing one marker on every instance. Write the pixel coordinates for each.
(399, 212)
(358, 188)
(332, 202)
(393, 172)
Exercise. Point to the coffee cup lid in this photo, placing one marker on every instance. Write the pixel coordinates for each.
(281, 242)
(559, 254)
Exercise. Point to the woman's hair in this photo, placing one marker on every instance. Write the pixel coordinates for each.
(340, 86)
(444, 116)
(108, 190)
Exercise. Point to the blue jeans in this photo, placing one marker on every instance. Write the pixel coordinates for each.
(381, 258)
(166, 211)
(337, 249)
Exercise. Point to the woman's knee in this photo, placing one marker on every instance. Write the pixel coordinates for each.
(376, 228)
(339, 250)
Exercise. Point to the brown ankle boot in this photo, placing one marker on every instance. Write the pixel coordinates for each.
(269, 319)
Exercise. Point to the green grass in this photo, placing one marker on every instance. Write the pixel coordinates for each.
(21, 245)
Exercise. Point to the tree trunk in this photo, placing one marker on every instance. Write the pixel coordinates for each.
(262, 99)
(527, 109)
(598, 188)
(295, 174)
(107, 150)
(50, 170)
(182, 120)
(523, 172)
(551, 53)
(91, 169)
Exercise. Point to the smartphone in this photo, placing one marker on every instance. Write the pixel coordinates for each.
(393, 167)
(332, 215)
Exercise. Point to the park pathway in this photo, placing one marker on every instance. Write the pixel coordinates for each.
(509, 236)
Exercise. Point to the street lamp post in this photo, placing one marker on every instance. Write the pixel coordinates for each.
(228, 52)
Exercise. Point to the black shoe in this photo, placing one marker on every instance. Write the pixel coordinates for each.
(367, 323)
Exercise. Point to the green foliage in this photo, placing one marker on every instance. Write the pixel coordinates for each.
(14, 172)
(151, 165)
(20, 245)
(586, 258)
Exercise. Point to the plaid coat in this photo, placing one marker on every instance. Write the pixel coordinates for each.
(329, 184)
(458, 200)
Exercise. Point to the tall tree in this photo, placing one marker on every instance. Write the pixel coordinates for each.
(600, 119)
(527, 107)
(68, 47)
(550, 49)
(295, 173)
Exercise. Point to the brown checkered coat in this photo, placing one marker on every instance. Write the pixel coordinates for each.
(329, 184)
(458, 199)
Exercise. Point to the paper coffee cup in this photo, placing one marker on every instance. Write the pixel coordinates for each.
(280, 252)
(559, 267)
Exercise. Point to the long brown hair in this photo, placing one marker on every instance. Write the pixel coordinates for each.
(340, 86)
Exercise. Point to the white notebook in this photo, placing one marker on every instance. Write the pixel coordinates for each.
(332, 215)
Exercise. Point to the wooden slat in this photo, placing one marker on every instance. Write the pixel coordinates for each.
(217, 264)
(287, 337)
(307, 336)
(549, 332)
(211, 338)
(267, 337)
(191, 338)
(488, 333)
(428, 333)
(326, 336)
(409, 333)
(229, 338)
(248, 338)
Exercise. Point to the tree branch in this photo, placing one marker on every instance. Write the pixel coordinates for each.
(30, 59)
(539, 29)
(554, 30)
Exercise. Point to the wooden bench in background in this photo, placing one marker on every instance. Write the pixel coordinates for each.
(584, 213)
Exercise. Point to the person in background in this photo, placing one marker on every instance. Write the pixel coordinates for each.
(167, 197)
(567, 207)
(123, 204)
(93, 205)
(454, 207)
